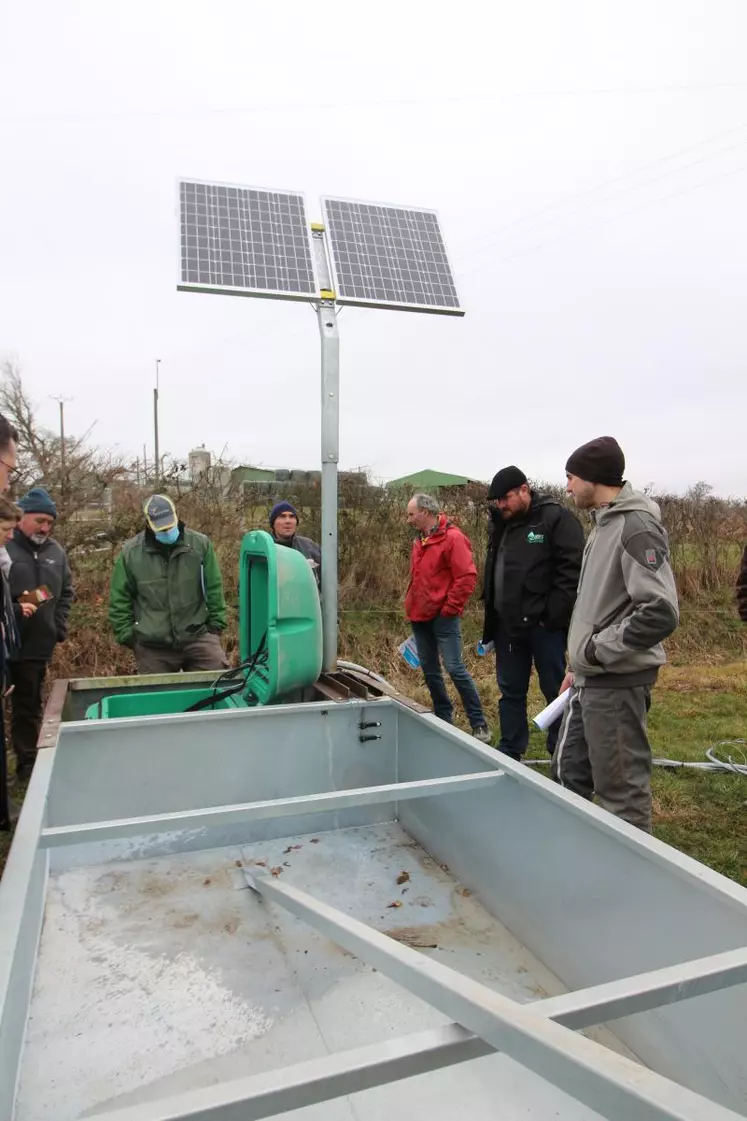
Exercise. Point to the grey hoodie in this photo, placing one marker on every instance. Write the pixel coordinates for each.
(627, 599)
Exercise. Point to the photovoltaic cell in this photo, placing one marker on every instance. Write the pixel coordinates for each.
(245, 240)
(387, 256)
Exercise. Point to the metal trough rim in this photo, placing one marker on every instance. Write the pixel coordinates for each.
(586, 1070)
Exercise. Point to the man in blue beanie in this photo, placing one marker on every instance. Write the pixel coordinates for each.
(284, 521)
(39, 575)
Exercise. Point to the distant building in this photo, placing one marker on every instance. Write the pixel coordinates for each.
(247, 476)
(429, 480)
(283, 482)
(199, 463)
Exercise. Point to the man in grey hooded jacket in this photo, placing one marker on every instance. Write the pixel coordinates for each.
(626, 606)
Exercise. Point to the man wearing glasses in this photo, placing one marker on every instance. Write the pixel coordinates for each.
(8, 453)
(531, 575)
(8, 472)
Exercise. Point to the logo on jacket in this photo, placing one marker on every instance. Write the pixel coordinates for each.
(535, 538)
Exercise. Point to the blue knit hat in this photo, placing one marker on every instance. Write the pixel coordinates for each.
(37, 501)
(283, 508)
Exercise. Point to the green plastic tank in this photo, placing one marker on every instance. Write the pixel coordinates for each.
(279, 612)
(280, 638)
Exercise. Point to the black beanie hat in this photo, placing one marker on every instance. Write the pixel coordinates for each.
(283, 508)
(600, 461)
(508, 478)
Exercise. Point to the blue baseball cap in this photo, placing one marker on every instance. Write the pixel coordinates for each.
(160, 513)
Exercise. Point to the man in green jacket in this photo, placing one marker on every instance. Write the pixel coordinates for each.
(166, 600)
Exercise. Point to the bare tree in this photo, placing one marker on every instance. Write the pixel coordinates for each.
(88, 471)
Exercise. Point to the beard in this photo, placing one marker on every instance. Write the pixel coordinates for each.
(584, 500)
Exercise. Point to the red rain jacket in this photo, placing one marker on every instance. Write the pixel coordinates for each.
(442, 574)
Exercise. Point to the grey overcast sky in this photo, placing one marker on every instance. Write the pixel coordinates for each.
(588, 160)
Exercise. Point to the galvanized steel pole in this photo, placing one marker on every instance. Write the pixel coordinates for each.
(330, 339)
(330, 457)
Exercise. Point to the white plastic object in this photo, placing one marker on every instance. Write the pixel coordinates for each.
(549, 715)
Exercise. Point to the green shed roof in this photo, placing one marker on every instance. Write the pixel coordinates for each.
(246, 474)
(429, 479)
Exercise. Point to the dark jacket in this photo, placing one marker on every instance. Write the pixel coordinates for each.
(11, 617)
(308, 549)
(542, 562)
(35, 565)
(166, 595)
(7, 646)
(742, 589)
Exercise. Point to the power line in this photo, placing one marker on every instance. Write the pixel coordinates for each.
(612, 218)
(496, 234)
(419, 102)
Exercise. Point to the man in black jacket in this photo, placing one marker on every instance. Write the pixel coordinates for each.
(284, 521)
(38, 563)
(531, 576)
(8, 459)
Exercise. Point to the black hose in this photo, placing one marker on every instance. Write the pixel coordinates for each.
(249, 665)
(212, 700)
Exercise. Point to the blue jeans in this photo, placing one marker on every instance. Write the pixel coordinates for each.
(442, 638)
(514, 655)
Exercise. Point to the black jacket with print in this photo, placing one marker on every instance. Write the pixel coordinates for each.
(541, 566)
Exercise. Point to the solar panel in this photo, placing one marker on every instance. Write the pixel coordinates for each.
(387, 256)
(245, 242)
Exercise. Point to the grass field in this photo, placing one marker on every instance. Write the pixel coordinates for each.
(701, 813)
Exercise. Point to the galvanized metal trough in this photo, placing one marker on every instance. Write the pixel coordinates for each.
(344, 908)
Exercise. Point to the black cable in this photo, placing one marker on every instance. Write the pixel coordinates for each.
(249, 665)
(212, 700)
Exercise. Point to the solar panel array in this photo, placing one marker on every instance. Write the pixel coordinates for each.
(387, 256)
(245, 240)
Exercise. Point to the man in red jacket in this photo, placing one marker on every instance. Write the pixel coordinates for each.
(442, 578)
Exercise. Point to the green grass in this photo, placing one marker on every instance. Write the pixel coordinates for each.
(702, 814)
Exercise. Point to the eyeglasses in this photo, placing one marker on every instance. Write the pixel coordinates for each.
(496, 502)
(13, 471)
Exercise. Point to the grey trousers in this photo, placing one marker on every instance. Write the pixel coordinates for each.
(603, 749)
(205, 652)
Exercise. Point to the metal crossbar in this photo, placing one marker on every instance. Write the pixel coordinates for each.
(378, 1064)
(257, 811)
(616, 1087)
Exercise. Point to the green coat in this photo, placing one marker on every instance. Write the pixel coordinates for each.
(166, 595)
